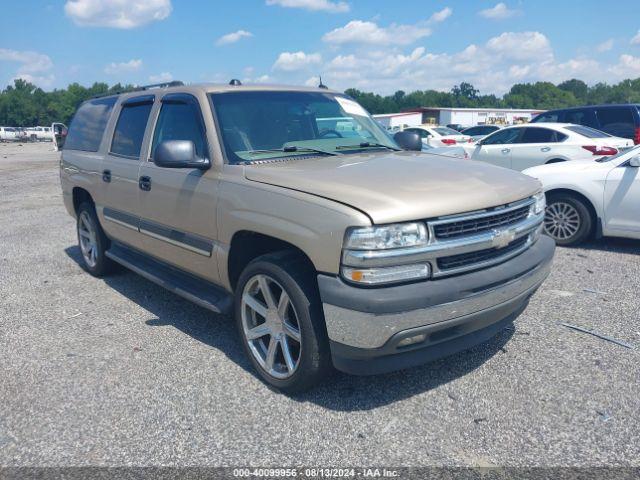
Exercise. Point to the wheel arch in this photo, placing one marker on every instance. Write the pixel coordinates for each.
(80, 196)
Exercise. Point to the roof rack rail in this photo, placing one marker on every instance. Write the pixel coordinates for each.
(174, 83)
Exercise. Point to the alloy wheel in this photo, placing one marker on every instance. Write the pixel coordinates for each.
(561, 221)
(271, 327)
(87, 239)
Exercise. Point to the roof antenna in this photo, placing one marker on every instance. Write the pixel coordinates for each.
(322, 85)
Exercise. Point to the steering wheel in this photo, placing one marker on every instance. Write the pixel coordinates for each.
(324, 133)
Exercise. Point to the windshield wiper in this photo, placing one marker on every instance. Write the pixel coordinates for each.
(366, 145)
(291, 149)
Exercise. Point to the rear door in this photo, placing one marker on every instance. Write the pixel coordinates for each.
(622, 200)
(536, 146)
(178, 208)
(496, 148)
(120, 170)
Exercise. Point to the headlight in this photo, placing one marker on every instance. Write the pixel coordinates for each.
(384, 275)
(385, 237)
(540, 203)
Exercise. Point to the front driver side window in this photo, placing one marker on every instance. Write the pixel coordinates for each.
(502, 137)
(180, 120)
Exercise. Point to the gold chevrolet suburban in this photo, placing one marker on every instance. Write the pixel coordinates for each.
(332, 243)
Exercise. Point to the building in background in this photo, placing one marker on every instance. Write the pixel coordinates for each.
(470, 117)
(399, 120)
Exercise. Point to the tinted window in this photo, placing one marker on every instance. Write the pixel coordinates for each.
(541, 135)
(508, 135)
(419, 131)
(446, 131)
(587, 132)
(127, 138)
(617, 121)
(581, 117)
(180, 121)
(549, 117)
(88, 124)
(480, 130)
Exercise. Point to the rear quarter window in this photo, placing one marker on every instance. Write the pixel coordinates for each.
(88, 124)
(617, 121)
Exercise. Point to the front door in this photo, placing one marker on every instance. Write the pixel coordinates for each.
(178, 205)
(496, 148)
(622, 201)
(120, 216)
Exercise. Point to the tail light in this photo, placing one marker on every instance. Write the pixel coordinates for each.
(448, 141)
(636, 137)
(599, 150)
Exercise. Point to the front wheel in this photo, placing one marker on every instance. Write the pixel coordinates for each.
(280, 321)
(567, 219)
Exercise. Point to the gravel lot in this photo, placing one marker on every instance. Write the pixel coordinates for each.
(120, 372)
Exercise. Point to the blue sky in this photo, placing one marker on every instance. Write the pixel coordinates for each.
(373, 45)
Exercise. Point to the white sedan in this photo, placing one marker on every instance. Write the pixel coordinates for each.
(587, 197)
(525, 146)
(439, 136)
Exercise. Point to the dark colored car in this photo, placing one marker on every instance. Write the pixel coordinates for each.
(618, 120)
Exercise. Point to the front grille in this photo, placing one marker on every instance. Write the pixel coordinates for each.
(480, 256)
(461, 228)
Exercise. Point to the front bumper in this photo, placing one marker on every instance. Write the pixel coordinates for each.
(365, 325)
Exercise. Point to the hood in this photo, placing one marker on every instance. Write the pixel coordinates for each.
(573, 166)
(399, 186)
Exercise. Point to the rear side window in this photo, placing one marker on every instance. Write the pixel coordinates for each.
(180, 120)
(88, 124)
(581, 117)
(549, 117)
(541, 135)
(129, 132)
(617, 121)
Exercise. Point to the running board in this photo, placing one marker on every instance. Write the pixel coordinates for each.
(197, 290)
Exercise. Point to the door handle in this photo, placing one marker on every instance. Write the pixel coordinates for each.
(106, 176)
(144, 183)
(506, 150)
(545, 149)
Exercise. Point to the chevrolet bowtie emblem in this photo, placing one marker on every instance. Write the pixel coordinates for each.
(502, 238)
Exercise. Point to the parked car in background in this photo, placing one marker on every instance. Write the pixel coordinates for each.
(8, 134)
(480, 131)
(586, 198)
(456, 126)
(40, 134)
(524, 146)
(618, 120)
(438, 136)
(22, 134)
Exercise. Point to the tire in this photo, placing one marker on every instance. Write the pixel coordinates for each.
(297, 328)
(93, 246)
(567, 219)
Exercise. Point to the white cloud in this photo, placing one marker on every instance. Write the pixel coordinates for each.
(499, 12)
(521, 46)
(163, 77)
(628, 66)
(313, 5)
(636, 39)
(441, 16)
(32, 66)
(117, 13)
(290, 61)
(29, 61)
(605, 46)
(117, 68)
(233, 37)
(358, 31)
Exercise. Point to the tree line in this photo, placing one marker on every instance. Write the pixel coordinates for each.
(23, 104)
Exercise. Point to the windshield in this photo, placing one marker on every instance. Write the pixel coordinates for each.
(269, 124)
(587, 131)
(444, 131)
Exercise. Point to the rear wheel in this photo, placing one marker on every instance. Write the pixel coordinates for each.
(567, 219)
(92, 241)
(280, 321)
